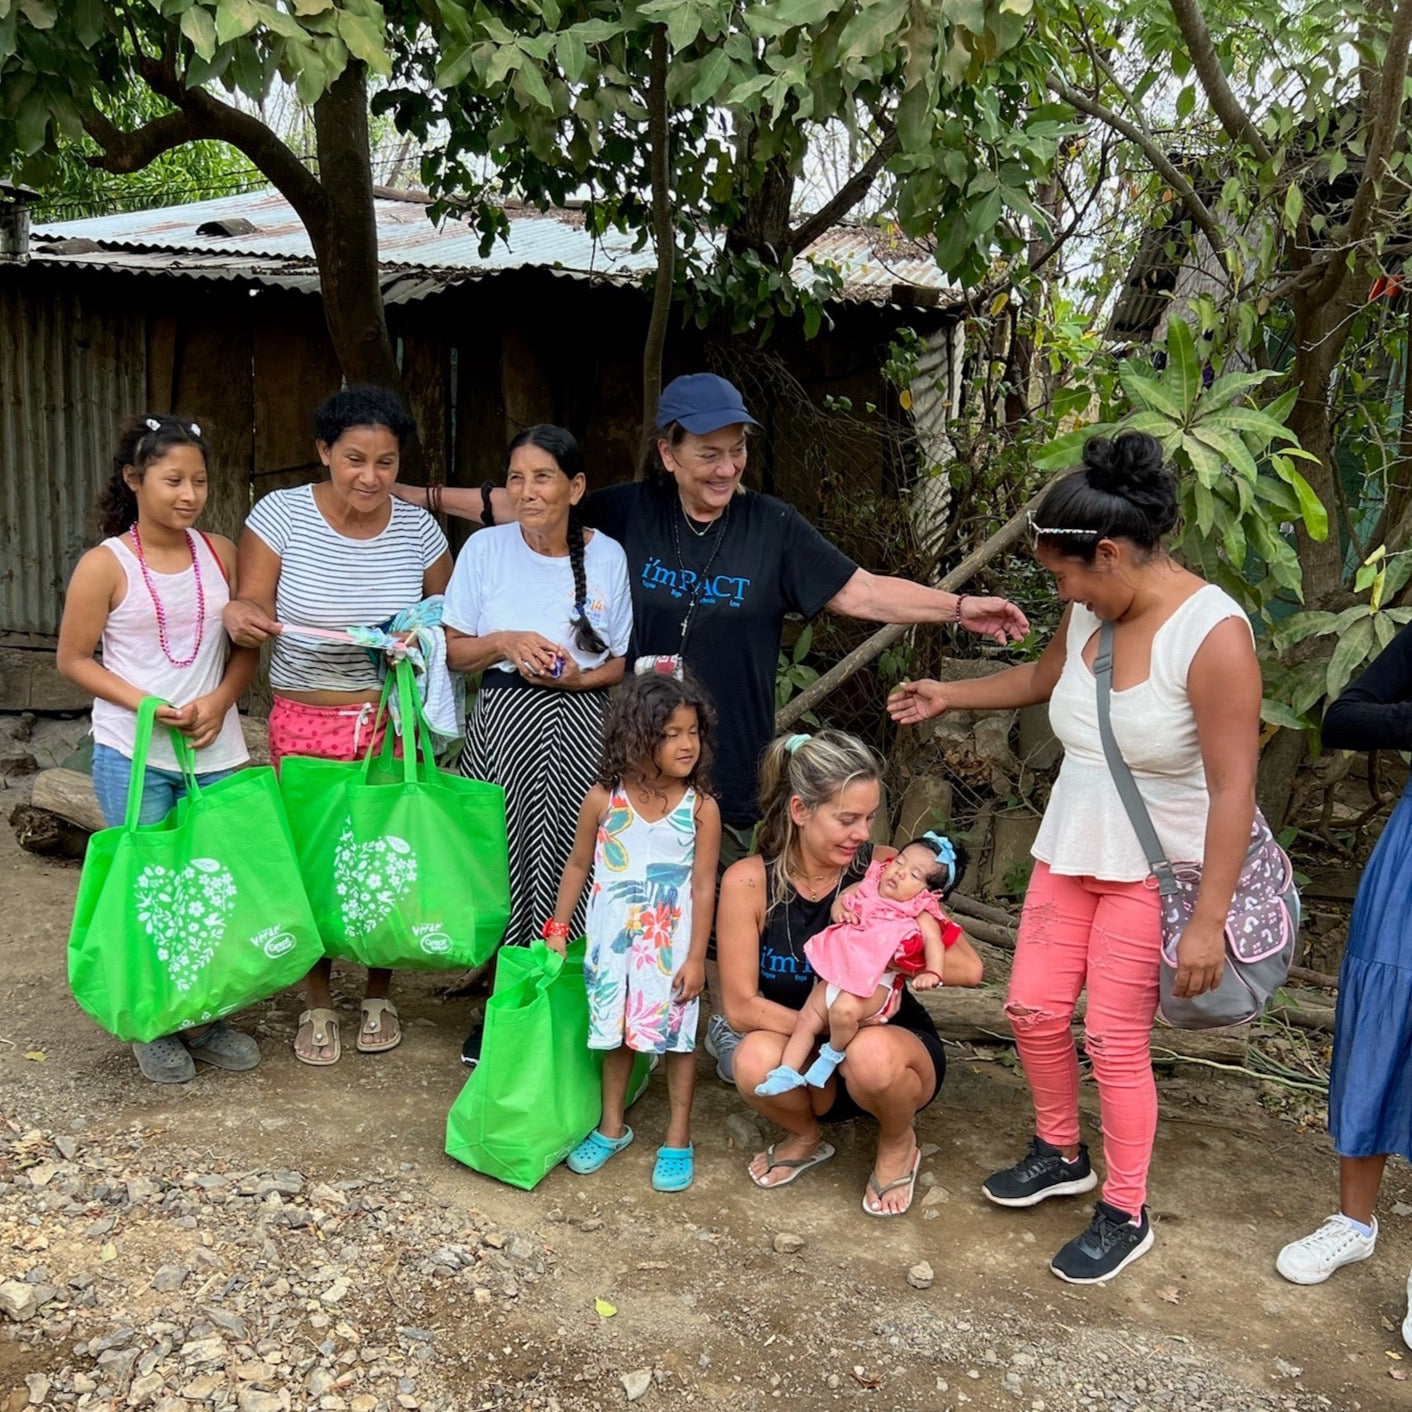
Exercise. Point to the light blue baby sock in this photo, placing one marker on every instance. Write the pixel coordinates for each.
(780, 1080)
(821, 1070)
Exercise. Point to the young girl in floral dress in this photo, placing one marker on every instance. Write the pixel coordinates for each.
(652, 835)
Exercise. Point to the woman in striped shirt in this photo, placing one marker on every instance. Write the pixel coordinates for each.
(342, 552)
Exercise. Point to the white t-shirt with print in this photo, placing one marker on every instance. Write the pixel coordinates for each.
(500, 584)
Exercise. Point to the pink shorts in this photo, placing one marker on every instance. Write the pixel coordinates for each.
(325, 732)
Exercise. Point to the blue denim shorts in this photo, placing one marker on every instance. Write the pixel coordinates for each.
(161, 789)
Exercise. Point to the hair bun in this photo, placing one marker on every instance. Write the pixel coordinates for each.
(1128, 465)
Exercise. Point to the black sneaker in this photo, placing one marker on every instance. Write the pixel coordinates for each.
(1110, 1243)
(1041, 1172)
(470, 1048)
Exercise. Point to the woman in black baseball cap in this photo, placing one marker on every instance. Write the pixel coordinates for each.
(714, 568)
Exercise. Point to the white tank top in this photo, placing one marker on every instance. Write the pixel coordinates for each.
(133, 651)
(1086, 831)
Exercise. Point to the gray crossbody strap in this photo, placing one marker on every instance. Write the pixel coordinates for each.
(1128, 791)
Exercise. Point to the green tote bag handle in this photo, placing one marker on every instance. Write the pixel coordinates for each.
(402, 679)
(141, 746)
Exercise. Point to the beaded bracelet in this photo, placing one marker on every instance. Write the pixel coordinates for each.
(960, 599)
(556, 931)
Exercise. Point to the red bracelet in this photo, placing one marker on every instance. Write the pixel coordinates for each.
(555, 931)
(960, 599)
(937, 974)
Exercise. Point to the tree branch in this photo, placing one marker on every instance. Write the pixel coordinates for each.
(663, 231)
(1163, 164)
(1386, 126)
(845, 198)
(214, 120)
(1008, 535)
(125, 152)
(1239, 125)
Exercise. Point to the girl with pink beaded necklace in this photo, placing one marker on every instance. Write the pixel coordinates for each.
(151, 595)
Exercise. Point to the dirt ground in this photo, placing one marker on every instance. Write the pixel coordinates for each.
(702, 1295)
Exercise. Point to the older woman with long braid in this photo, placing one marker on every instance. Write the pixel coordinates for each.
(541, 607)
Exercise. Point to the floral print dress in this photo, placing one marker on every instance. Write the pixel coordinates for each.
(639, 928)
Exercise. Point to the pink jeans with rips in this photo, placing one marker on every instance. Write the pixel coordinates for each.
(1077, 930)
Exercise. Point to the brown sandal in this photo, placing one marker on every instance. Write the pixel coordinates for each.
(375, 1034)
(322, 1026)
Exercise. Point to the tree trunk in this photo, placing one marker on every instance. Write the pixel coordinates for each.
(663, 233)
(345, 241)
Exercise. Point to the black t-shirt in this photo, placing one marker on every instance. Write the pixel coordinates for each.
(760, 560)
(786, 977)
(1375, 710)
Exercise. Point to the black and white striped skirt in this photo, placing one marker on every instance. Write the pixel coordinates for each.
(541, 746)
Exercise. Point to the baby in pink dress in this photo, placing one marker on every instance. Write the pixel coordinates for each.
(887, 928)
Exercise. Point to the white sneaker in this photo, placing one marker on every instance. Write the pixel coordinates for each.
(1407, 1322)
(1312, 1260)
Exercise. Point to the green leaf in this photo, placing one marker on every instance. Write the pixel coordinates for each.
(1316, 515)
(1205, 507)
(1183, 373)
(1348, 655)
(1150, 395)
(1186, 102)
(1232, 386)
(1228, 446)
(1065, 451)
(365, 40)
(90, 21)
(710, 77)
(1246, 419)
(1276, 713)
(199, 26)
(1209, 467)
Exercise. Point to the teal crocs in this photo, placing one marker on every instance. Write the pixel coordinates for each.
(674, 1169)
(595, 1150)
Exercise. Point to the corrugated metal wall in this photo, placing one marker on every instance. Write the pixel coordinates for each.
(70, 370)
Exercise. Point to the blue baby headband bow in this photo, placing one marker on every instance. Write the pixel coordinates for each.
(945, 852)
(795, 741)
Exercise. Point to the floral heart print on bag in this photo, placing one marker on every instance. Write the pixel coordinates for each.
(371, 878)
(185, 913)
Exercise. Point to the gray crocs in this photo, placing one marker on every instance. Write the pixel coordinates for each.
(165, 1060)
(223, 1048)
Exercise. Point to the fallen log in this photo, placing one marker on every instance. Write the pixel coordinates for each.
(69, 794)
(978, 1017)
(38, 831)
(1308, 977)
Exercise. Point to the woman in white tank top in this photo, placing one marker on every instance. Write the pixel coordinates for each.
(152, 594)
(1186, 715)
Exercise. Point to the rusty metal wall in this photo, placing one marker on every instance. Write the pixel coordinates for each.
(70, 368)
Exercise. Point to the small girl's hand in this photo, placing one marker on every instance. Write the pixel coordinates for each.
(689, 981)
(570, 674)
(926, 980)
(557, 943)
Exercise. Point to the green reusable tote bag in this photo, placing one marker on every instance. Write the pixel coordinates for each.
(180, 922)
(537, 1091)
(406, 865)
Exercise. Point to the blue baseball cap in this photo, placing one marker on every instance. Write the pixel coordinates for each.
(702, 403)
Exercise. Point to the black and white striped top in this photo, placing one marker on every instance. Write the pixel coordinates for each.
(327, 580)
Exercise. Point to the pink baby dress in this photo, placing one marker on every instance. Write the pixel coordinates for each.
(855, 958)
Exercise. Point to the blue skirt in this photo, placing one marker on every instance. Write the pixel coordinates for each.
(1370, 1082)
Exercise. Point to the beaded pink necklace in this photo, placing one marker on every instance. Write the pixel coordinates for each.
(161, 612)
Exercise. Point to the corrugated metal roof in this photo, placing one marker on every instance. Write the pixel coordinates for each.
(279, 251)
